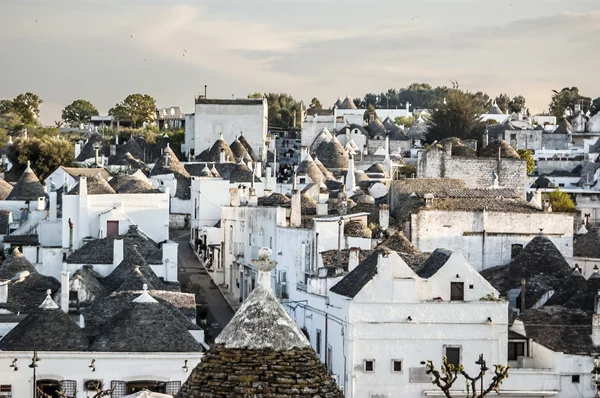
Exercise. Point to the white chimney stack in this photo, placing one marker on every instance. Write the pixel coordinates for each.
(222, 156)
(234, 197)
(596, 321)
(118, 254)
(296, 209)
(384, 216)
(64, 291)
(4, 292)
(353, 253)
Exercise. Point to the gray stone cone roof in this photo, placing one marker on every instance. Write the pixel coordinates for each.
(214, 153)
(310, 168)
(491, 150)
(27, 295)
(145, 327)
(324, 170)
(434, 262)
(411, 255)
(248, 147)
(129, 270)
(275, 199)
(101, 251)
(241, 173)
(95, 186)
(87, 172)
(131, 184)
(238, 149)
(561, 329)
(92, 283)
(347, 103)
(540, 263)
(5, 189)
(587, 245)
(564, 128)
(227, 372)
(45, 330)
(88, 151)
(28, 187)
(351, 284)
(495, 110)
(376, 128)
(176, 168)
(332, 154)
(131, 147)
(358, 229)
(261, 322)
(129, 160)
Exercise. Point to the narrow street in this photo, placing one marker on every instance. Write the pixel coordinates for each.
(195, 279)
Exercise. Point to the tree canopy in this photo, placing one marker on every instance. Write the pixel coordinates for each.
(561, 201)
(315, 104)
(284, 111)
(79, 111)
(564, 101)
(138, 108)
(527, 155)
(458, 116)
(510, 105)
(25, 107)
(46, 153)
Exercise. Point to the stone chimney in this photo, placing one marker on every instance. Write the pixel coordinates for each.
(428, 199)
(4, 292)
(350, 176)
(448, 148)
(495, 180)
(384, 216)
(538, 198)
(64, 291)
(353, 256)
(303, 153)
(596, 320)
(118, 253)
(83, 186)
(77, 149)
(113, 150)
(484, 139)
(234, 197)
(264, 265)
(296, 209)
(222, 156)
(546, 206)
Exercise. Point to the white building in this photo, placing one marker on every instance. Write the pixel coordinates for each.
(228, 117)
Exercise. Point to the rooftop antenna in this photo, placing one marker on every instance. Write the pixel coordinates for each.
(205, 91)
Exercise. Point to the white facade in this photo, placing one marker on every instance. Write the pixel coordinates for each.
(90, 215)
(395, 318)
(356, 116)
(214, 117)
(109, 366)
(485, 238)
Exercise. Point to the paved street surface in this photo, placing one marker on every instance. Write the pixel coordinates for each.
(195, 279)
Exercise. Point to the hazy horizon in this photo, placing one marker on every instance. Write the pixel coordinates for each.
(102, 51)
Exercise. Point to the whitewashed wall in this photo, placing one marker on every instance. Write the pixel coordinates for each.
(124, 366)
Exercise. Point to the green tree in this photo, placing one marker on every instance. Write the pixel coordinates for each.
(595, 107)
(359, 103)
(138, 108)
(368, 112)
(564, 101)
(527, 155)
(79, 111)
(458, 116)
(561, 201)
(404, 121)
(503, 102)
(46, 153)
(315, 104)
(255, 95)
(445, 378)
(284, 111)
(516, 104)
(25, 106)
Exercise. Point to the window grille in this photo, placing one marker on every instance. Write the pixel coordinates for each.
(172, 387)
(119, 388)
(69, 388)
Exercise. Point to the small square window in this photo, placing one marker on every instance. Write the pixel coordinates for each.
(453, 355)
(396, 365)
(369, 365)
(471, 286)
(575, 379)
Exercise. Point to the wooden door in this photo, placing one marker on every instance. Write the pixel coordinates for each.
(112, 228)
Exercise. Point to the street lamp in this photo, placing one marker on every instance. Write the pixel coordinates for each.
(34, 365)
(482, 369)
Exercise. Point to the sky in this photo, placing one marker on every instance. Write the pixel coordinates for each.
(103, 50)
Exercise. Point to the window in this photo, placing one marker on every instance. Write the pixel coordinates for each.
(453, 355)
(318, 342)
(369, 365)
(302, 180)
(457, 291)
(396, 365)
(516, 349)
(196, 208)
(250, 239)
(575, 379)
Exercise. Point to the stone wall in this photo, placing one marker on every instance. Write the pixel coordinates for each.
(555, 141)
(475, 171)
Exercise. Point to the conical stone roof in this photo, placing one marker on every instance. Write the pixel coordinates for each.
(238, 149)
(5, 189)
(248, 147)
(261, 352)
(28, 187)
